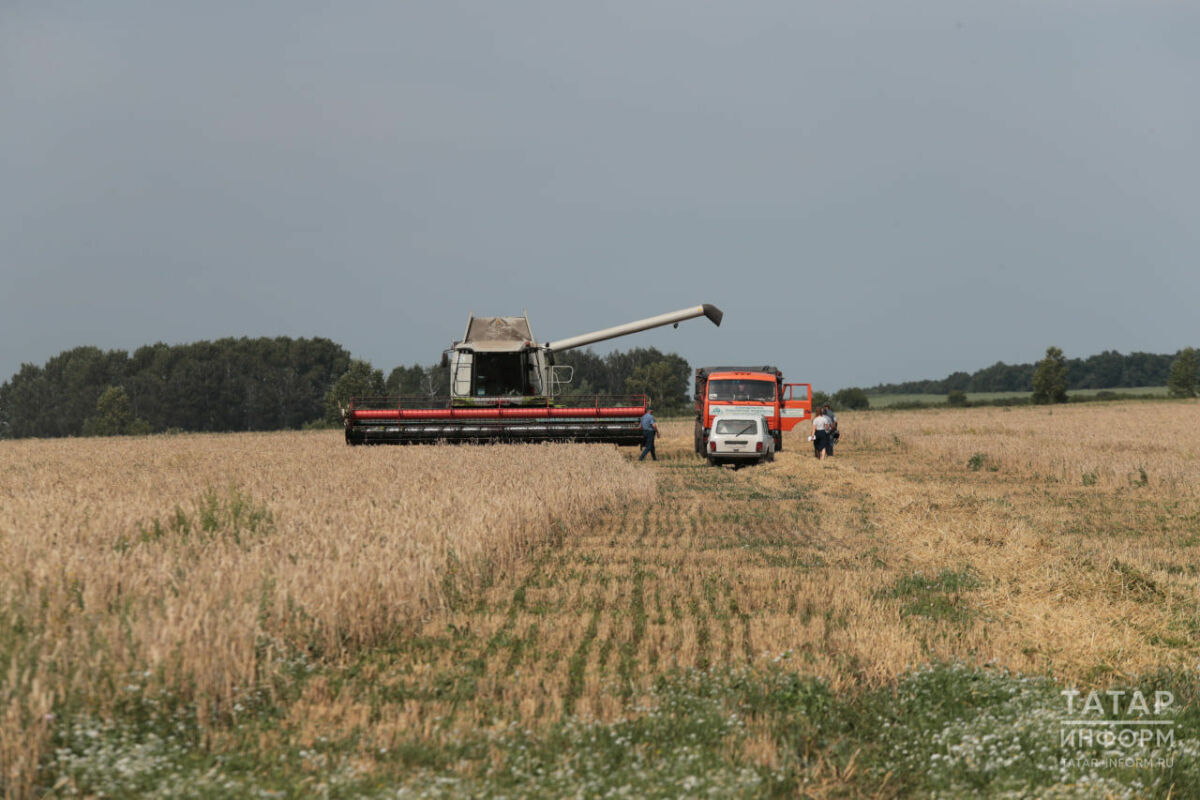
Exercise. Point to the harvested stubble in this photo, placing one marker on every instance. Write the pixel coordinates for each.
(203, 561)
(1079, 524)
(1075, 527)
(1114, 445)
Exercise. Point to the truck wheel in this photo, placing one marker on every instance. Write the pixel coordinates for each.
(779, 442)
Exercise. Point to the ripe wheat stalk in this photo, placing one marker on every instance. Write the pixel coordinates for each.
(201, 564)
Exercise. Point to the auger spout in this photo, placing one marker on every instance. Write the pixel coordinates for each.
(705, 310)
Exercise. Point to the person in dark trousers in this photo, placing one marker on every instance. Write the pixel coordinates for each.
(820, 435)
(833, 434)
(649, 431)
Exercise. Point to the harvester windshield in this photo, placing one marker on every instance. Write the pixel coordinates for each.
(504, 375)
(733, 390)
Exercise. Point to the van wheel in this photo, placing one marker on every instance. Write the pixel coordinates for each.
(712, 462)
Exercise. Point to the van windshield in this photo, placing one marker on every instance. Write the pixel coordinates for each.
(757, 391)
(737, 427)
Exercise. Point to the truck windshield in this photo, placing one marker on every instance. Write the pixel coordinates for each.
(757, 391)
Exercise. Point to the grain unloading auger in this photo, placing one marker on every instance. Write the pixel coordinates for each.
(505, 387)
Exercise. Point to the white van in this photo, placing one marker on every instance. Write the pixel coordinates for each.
(740, 438)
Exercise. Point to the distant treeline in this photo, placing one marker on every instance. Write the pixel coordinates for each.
(1108, 370)
(260, 385)
(227, 385)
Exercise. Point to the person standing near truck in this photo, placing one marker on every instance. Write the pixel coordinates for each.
(833, 434)
(649, 431)
(821, 429)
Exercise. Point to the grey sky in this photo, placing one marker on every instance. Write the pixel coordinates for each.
(871, 191)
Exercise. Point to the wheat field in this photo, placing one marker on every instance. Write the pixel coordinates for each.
(200, 564)
(560, 619)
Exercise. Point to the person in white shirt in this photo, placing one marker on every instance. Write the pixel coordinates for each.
(828, 411)
(821, 443)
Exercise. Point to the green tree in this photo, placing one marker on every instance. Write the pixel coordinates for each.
(1182, 379)
(610, 374)
(27, 399)
(852, 398)
(1050, 378)
(957, 381)
(622, 365)
(54, 400)
(1001, 377)
(229, 384)
(360, 380)
(114, 416)
(591, 374)
(662, 382)
(820, 398)
(955, 397)
(406, 380)
(435, 381)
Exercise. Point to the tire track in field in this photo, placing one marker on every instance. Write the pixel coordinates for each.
(707, 575)
(578, 663)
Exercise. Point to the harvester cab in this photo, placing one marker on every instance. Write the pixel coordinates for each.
(499, 358)
(505, 386)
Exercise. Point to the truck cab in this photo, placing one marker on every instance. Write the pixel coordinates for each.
(749, 390)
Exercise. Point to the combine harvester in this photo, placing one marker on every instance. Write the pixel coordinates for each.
(505, 387)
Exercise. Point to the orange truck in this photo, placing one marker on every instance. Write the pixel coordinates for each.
(753, 390)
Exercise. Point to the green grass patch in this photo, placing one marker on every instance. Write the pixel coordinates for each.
(958, 731)
(231, 514)
(944, 730)
(936, 597)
